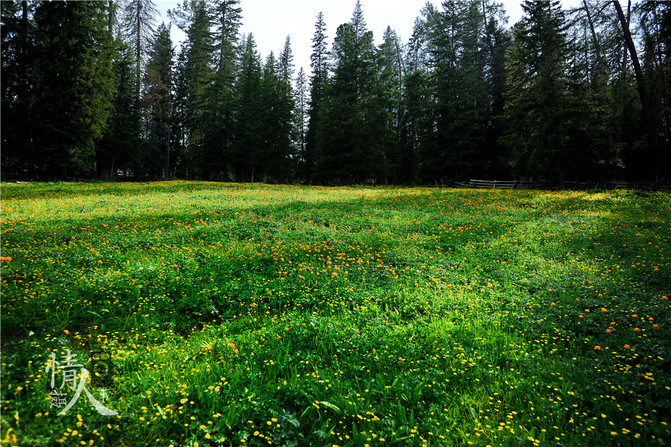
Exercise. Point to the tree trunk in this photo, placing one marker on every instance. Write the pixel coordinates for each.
(166, 173)
(640, 86)
(597, 45)
(400, 92)
(25, 93)
(623, 74)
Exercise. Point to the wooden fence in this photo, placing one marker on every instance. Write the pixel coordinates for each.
(494, 184)
(518, 184)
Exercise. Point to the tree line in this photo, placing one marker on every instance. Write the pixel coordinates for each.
(95, 89)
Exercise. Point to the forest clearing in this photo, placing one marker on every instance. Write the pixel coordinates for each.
(249, 314)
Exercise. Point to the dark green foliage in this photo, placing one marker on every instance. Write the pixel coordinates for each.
(453, 92)
(118, 148)
(138, 23)
(194, 82)
(417, 126)
(278, 102)
(73, 97)
(495, 43)
(220, 135)
(353, 136)
(538, 104)
(138, 19)
(18, 155)
(158, 98)
(301, 119)
(655, 23)
(579, 94)
(391, 77)
(249, 139)
(318, 81)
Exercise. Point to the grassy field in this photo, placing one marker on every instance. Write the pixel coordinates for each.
(304, 316)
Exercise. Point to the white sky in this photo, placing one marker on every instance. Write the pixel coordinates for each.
(270, 21)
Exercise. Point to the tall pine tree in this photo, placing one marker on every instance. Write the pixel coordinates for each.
(18, 101)
(277, 115)
(227, 16)
(118, 148)
(536, 112)
(301, 121)
(158, 100)
(392, 76)
(194, 87)
(249, 138)
(319, 62)
(418, 106)
(73, 98)
(354, 133)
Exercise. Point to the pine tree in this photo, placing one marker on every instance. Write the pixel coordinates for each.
(655, 23)
(417, 133)
(118, 148)
(418, 126)
(536, 111)
(282, 119)
(268, 153)
(179, 132)
(227, 18)
(588, 97)
(219, 141)
(139, 19)
(318, 82)
(612, 133)
(249, 141)
(73, 97)
(354, 134)
(194, 84)
(158, 100)
(301, 122)
(18, 47)
(628, 123)
(391, 78)
(495, 45)
(439, 154)
(275, 121)
(471, 104)
(286, 62)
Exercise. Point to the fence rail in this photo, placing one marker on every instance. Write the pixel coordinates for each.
(518, 184)
(494, 184)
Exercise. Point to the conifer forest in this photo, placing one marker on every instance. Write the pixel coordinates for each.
(98, 90)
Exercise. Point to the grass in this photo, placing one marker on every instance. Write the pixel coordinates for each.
(305, 316)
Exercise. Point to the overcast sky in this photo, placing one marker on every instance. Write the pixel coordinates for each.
(270, 21)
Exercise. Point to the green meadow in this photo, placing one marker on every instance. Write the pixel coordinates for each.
(254, 315)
